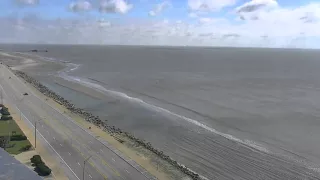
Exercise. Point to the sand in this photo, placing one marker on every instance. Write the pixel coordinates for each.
(145, 158)
(210, 153)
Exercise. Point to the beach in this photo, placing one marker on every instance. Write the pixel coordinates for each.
(224, 113)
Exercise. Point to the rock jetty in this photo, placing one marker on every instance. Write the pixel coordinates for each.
(103, 124)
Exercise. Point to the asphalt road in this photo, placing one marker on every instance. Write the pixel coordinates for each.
(69, 143)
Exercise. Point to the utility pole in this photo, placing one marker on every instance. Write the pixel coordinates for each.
(7, 141)
(35, 134)
(1, 95)
(84, 165)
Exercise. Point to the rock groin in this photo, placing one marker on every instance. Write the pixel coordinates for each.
(103, 124)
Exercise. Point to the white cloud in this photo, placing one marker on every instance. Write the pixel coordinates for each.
(159, 8)
(255, 5)
(103, 23)
(205, 20)
(80, 6)
(193, 15)
(274, 27)
(209, 5)
(27, 2)
(115, 6)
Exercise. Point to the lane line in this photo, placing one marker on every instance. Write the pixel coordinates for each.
(79, 164)
(94, 167)
(99, 157)
(42, 136)
(30, 90)
(104, 176)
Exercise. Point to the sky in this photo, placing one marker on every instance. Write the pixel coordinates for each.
(236, 23)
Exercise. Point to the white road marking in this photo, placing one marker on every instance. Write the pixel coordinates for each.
(127, 171)
(61, 145)
(90, 176)
(79, 164)
(113, 160)
(45, 140)
(69, 153)
(115, 151)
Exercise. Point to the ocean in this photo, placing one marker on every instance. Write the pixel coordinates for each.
(226, 113)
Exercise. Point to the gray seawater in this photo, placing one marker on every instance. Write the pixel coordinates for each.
(191, 101)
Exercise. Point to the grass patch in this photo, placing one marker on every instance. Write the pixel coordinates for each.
(15, 147)
(10, 127)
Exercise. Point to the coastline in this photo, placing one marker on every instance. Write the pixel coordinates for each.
(95, 120)
(116, 133)
(243, 152)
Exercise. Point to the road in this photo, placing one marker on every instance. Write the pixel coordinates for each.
(69, 143)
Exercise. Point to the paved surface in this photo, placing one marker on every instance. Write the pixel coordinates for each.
(10, 168)
(68, 143)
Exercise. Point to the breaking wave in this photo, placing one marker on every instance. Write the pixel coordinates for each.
(86, 82)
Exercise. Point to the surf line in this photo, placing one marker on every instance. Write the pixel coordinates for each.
(97, 87)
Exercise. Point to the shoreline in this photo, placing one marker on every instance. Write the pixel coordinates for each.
(228, 157)
(95, 120)
(134, 144)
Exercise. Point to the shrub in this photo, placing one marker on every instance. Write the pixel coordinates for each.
(35, 160)
(5, 111)
(25, 148)
(42, 170)
(40, 167)
(18, 137)
(4, 141)
(6, 118)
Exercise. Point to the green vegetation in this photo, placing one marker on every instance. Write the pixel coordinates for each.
(18, 137)
(36, 159)
(17, 147)
(6, 118)
(40, 166)
(5, 111)
(12, 138)
(11, 127)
